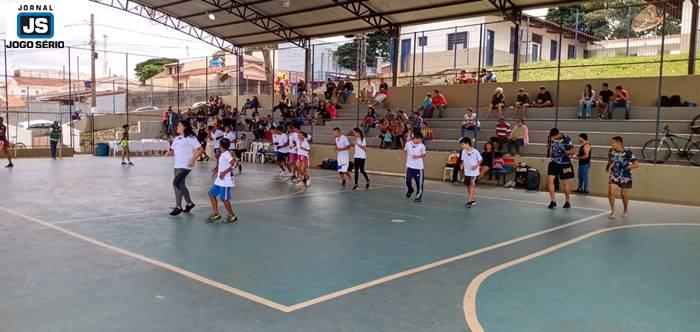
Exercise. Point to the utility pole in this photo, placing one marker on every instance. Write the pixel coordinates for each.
(104, 58)
(93, 57)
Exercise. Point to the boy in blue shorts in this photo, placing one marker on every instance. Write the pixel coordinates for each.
(223, 182)
(621, 162)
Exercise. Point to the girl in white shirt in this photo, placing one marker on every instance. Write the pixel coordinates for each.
(186, 149)
(471, 165)
(360, 157)
(303, 158)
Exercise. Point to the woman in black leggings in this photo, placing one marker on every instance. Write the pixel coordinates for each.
(360, 157)
(186, 149)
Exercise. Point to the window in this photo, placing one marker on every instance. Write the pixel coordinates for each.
(23, 91)
(586, 54)
(423, 41)
(181, 85)
(554, 50)
(537, 39)
(490, 47)
(571, 52)
(460, 40)
(513, 41)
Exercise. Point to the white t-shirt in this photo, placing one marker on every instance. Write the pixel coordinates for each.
(231, 136)
(282, 140)
(471, 159)
(371, 91)
(183, 148)
(293, 143)
(305, 144)
(224, 164)
(217, 136)
(359, 152)
(343, 156)
(414, 150)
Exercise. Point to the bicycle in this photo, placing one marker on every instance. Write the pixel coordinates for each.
(16, 145)
(660, 151)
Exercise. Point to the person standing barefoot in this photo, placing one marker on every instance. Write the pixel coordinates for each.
(186, 149)
(621, 162)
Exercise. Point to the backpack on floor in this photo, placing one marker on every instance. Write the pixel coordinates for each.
(329, 164)
(521, 176)
(665, 101)
(676, 101)
(533, 179)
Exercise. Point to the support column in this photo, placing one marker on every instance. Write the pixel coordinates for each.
(307, 65)
(516, 46)
(395, 60)
(692, 51)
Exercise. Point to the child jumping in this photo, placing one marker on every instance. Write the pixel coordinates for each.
(471, 165)
(415, 152)
(125, 146)
(223, 182)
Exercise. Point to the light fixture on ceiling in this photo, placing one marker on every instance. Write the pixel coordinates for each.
(211, 16)
(286, 3)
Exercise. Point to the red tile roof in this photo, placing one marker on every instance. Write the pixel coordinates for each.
(13, 102)
(38, 81)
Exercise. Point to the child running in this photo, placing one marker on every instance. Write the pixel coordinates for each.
(360, 157)
(186, 149)
(293, 152)
(5, 143)
(223, 182)
(281, 141)
(303, 158)
(621, 162)
(342, 145)
(216, 135)
(415, 152)
(125, 146)
(471, 165)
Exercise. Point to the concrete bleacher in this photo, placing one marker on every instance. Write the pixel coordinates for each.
(636, 131)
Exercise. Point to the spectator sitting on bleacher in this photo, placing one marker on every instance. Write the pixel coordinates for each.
(427, 133)
(585, 107)
(331, 110)
(544, 98)
(503, 131)
(389, 115)
(518, 137)
(487, 154)
(470, 123)
(439, 102)
(301, 87)
(499, 165)
(330, 89)
(382, 94)
(497, 102)
(464, 78)
(427, 104)
(415, 121)
(490, 76)
(283, 105)
(522, 102)
(346, 91)
(315, 103)
(621, 99)
(603, 101)
(368, 92)
(303, 104)
(397, 133)
(402, 116)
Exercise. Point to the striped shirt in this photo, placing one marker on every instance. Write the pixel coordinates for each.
(503, 130)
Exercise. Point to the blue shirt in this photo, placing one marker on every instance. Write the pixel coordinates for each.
(619, 163)
(559, 148)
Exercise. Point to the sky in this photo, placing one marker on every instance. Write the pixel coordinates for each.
(125, 33)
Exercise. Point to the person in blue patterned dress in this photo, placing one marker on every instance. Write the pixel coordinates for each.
(621, 162)
(561, 150)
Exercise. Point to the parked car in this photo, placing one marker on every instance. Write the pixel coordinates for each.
(36, 124)
(146, 109)
(199, 104)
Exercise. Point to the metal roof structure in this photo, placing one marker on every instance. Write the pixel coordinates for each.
(235, 24)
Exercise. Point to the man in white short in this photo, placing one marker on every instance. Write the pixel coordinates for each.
(342, 146)
(415, 152)
(471, 164)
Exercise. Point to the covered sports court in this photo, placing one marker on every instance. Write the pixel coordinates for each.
(92, 248)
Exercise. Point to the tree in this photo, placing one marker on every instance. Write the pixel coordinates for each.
(151, 67)
(377, 46)
(607, 19)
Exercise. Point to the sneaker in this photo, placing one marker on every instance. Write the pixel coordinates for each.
(230, 219)
(282, 174)
(123, 163)
(408, 194)
(578, 191)
(473, 203)
(367, 185)
(307, 182)
(176, 211)
(418, 199)
(131, 164)
(567, 205)
(469, 205)
(355, 188)
(188, 208)
(343, 183)
(586, 192)
(10, 165)
(552, 205)
(213, 218)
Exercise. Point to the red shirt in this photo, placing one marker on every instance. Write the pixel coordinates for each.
(503, 130)
(439, 100)
(623, 95)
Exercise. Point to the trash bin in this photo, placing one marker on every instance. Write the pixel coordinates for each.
(102, 149)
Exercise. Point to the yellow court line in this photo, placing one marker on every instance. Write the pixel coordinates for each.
(469, 302)
(308, 303)
(148, 260)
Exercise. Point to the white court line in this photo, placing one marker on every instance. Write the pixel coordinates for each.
(469, 302)
(148, 260)
(395, 213)
(436, 264)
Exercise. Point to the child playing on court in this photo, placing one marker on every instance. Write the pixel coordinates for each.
(342, 146)
(471, 165)
(293, 152)
(125, 146)
(621, 162)
(216, 135)
(230, 136)
(223, 182)
(303, 158)
(415, 152)
(281, 141)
